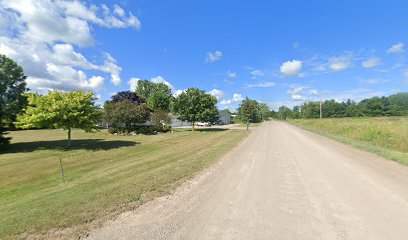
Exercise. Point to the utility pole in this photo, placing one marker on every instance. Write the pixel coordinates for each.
(321, 112)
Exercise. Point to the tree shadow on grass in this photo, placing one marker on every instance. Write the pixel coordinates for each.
(76, 144)
(211, 129)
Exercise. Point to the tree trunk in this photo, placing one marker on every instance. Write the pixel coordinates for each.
(69, 137)
(193, 128)
(247, 125)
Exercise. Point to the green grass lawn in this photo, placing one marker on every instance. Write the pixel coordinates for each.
(105, 175)
(385, 136)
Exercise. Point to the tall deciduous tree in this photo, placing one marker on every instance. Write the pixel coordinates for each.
(12, 86)
(66, 110)
(158, 98)
(145, 89)
(195, 105)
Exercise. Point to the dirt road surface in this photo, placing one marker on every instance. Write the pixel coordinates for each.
(281, 183)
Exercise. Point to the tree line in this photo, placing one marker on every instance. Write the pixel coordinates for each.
(393, 105)
(125, 112)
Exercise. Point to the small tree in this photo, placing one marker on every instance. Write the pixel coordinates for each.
(64, 110)
(160, 117)
(12, 86)
(195, 105)
(127, 113)
(247, 111)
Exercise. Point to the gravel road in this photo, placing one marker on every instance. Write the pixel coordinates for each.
(282, 182)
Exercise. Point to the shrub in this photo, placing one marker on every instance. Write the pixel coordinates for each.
(112, 130)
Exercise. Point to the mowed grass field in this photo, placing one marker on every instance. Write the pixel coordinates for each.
(385, 136)
(104, 174)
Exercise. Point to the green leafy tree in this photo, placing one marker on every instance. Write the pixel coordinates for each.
(310, 109)
(145, 89)
(126, 113)
(284, 113)
(160, 117)
(248, 111)
(296, 113)
(12, 100)
(195, 105)
(398, 104)
(66, 110)
(159, 101)
(158, 98)
(264, 112)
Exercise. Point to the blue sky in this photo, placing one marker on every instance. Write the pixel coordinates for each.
(277, 52)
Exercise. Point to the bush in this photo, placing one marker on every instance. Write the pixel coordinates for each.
(140, 129)
(165, 129)
(150, 130)
(146, 130)
(112, 130)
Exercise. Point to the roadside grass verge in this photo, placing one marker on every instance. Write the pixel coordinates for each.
(384, 136)
(105, 175)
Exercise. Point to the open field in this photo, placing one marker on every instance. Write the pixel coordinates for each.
(105, 175)
(385, 136)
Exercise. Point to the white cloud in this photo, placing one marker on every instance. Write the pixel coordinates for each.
(262, 84)
(160, 79)
(115, 79)
(66, 55)
(226, 102)
(298, 97)
(43, 36)
(231, 74)
(314, 92)
(372, 62)
(217, 93)
(257, 73)
(178, 92)
(118, 10)
(68, 79)
(95, 82)
(302, 93)
(291, 68)
(110, 66)
(372, 81)
(66, 21)
(133, 83)
(236, 97)
(396, 48)
(296, 90)
(340, 63)
(214, 56)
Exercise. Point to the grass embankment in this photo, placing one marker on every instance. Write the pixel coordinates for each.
(105, 175)
(385, 136)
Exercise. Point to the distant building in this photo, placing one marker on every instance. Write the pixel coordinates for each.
(175, 122)
(224, 116)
